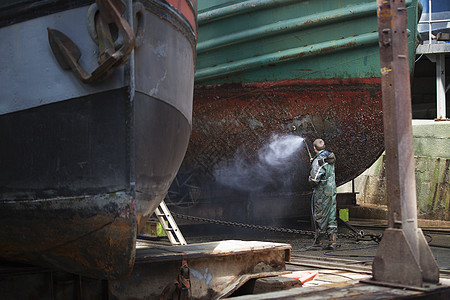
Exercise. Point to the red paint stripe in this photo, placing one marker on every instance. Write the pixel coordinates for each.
(309, 82)
(187, 11)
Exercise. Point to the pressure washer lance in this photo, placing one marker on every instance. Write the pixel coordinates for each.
(307, 148)
(294, 128)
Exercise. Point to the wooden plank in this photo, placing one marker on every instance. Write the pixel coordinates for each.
(154, 252)
(335, 291)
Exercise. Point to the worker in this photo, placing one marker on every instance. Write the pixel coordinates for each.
(322, 177)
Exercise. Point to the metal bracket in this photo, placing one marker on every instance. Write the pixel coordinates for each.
(184, 282)
(181, 288)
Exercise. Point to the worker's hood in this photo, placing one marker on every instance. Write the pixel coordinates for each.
(326, 157)
(331, 159)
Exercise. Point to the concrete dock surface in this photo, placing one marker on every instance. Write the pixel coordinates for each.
(344, 272)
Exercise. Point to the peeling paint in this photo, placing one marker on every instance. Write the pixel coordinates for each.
(205, 276)
(154, 91)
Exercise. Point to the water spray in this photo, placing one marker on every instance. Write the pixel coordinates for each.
(254, 174)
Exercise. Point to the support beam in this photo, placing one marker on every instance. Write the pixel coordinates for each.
(403, 255)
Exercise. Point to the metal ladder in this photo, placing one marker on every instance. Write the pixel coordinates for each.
(169, 225)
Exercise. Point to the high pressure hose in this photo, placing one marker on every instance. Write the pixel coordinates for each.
(315, 226)
(316, 235)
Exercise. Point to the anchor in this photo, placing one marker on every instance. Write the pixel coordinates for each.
(67, 53)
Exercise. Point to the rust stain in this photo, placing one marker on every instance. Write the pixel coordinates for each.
(97, 242)
(346, 113)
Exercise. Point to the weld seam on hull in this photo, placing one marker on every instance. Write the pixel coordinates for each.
(286, 55)
(331, 17)
(248, 6)
(46, 251)
(114, 213)
(240, 8)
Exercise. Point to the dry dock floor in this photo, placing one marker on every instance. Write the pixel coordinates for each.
(339, 272)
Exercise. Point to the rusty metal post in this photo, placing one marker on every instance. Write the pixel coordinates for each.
(404, 257)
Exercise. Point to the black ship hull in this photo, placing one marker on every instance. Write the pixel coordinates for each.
(80, 175)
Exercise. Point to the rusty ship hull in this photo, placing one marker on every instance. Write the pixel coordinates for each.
(312, 66)
(84, 164)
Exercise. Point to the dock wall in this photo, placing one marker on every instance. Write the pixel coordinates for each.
(432, 158)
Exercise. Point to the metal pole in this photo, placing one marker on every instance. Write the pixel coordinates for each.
(402, 255)
(429, 21)
(440, 87)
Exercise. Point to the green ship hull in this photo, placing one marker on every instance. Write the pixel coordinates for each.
(266, 67)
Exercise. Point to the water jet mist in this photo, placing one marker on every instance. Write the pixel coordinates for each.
(271, 170)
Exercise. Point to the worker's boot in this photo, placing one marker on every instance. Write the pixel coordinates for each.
(317, 243)
(331, 242)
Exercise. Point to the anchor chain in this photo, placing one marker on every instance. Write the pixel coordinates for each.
(258, 227)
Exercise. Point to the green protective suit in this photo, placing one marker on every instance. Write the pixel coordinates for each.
(324, 198)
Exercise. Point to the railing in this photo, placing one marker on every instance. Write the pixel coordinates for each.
(430, 21)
